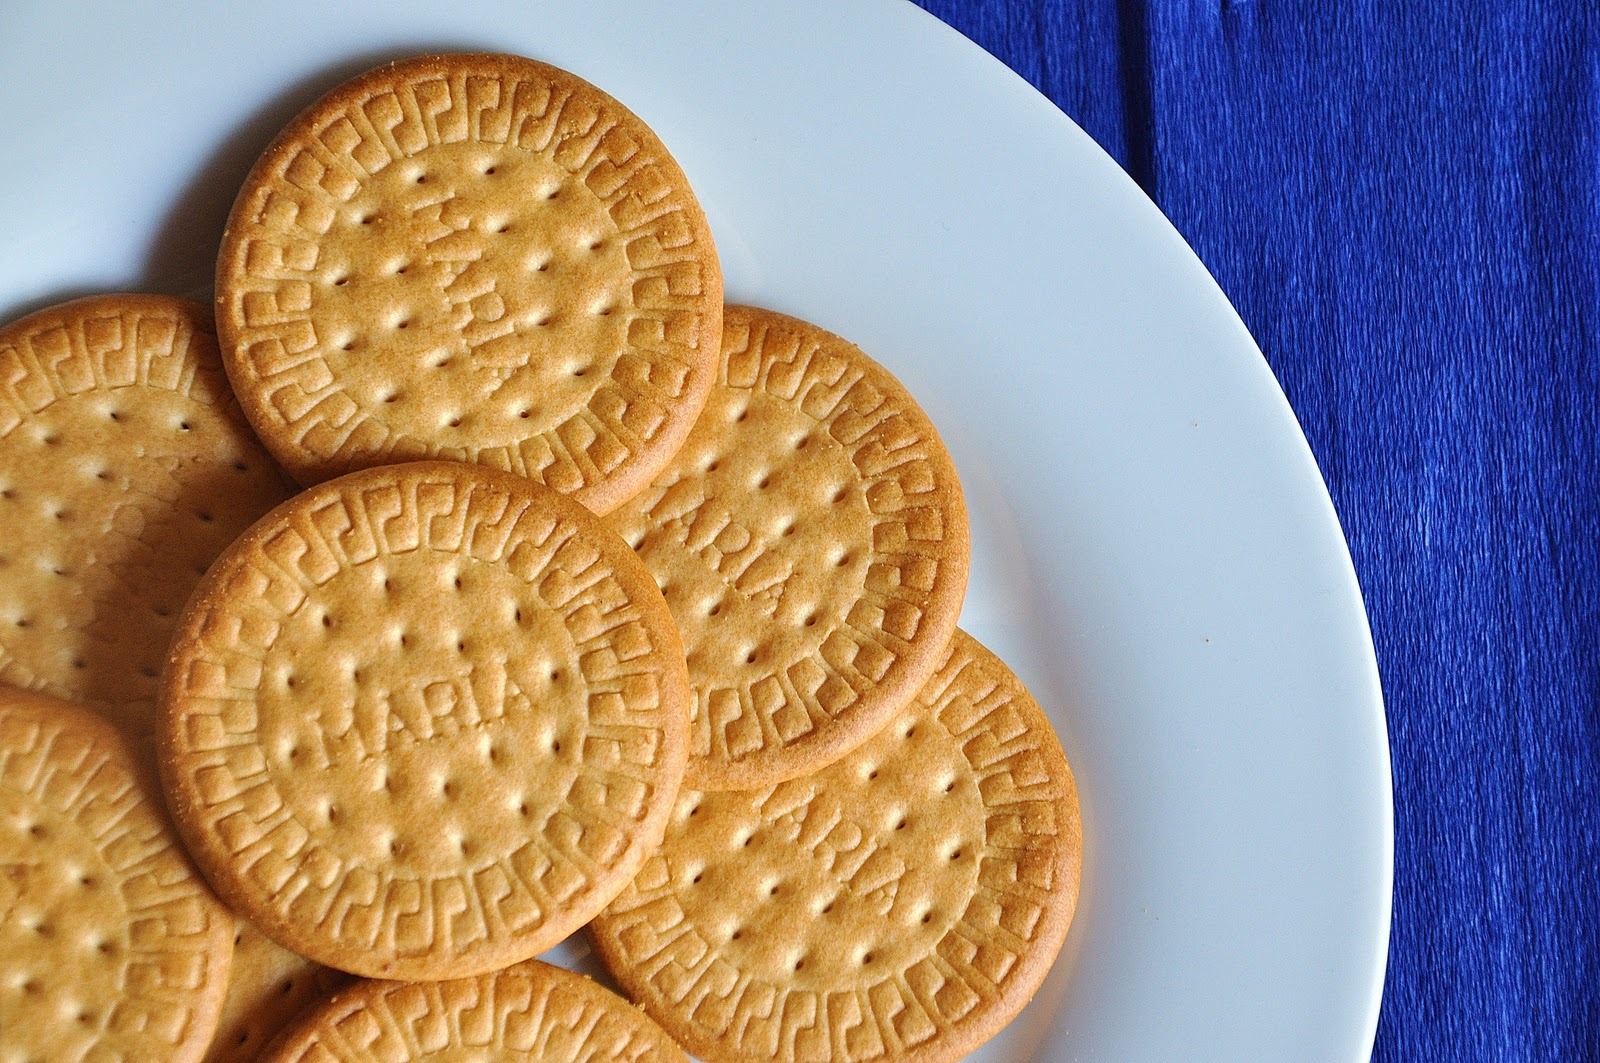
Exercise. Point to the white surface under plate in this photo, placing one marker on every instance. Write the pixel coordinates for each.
(1154, 551)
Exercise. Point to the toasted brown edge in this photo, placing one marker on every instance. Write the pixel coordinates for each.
(301, 1034)
(1024, 980)
(208, 1004)
(876, 709)
(309, 469)
(215, 861)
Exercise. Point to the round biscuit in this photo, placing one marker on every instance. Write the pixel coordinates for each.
(423, 721)
(530, 1013)
(811, 541)
(267, 989)
(902, 904)
(111, 947)
(474, 257)
(125, 468)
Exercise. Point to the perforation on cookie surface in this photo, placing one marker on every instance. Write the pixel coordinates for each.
(811, 540)
(111, 948)
(424, 721)
(481, 258)
(530, 1013)
(125, 468)
(901, 904)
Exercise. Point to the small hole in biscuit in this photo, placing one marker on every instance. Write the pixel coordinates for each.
(555, 747)
(909, 731)
(504, 228)
(901, 825)
(582, 371)
(288, 986)
(401, 269)
(873, 774)
(555, 675)
(927, 917)
(956, 855)
(490, 171)
(840, 495)
(327, 621)
(183, 426)
(736, 935)
(553, 193)
(749, 840)
(950, 787)
(844, 559)
(404, 324)
(366, 219)
(79, 664)
(811, 621)
(805, 441)
(750, 658)
(523, 808)
(543, 267)
(455, 422)
(866, 959)
(597, 245)
(525, 414)
(392, 397)
(714, 466)
(148, 673)
(606, 311)
(714, 610)
(240, 466)
(698, 876)
(518, 615)
(342, 281)
(789, 529)
(115, 416)
(422, 178)
(441, 363)
(205, 517)
(801, 962)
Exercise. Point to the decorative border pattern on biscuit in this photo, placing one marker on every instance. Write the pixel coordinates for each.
(125, 468)
(475, 257)
(811, 540)
(111, 947)
(902, 904)
(423, 721)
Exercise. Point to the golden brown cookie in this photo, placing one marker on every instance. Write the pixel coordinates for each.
(125, 467)
(111, 947)
(474, 257)
(530, 1013)
(811, 540)
(903, 904)
(269, 986)
(423, 721)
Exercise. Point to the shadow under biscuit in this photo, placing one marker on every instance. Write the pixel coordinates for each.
(182, 256)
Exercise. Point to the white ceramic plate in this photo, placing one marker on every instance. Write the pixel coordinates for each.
(1154, 550)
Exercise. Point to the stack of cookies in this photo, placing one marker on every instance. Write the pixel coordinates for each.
(478, 577)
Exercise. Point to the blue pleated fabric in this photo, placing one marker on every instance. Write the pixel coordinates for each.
(1401, 199)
